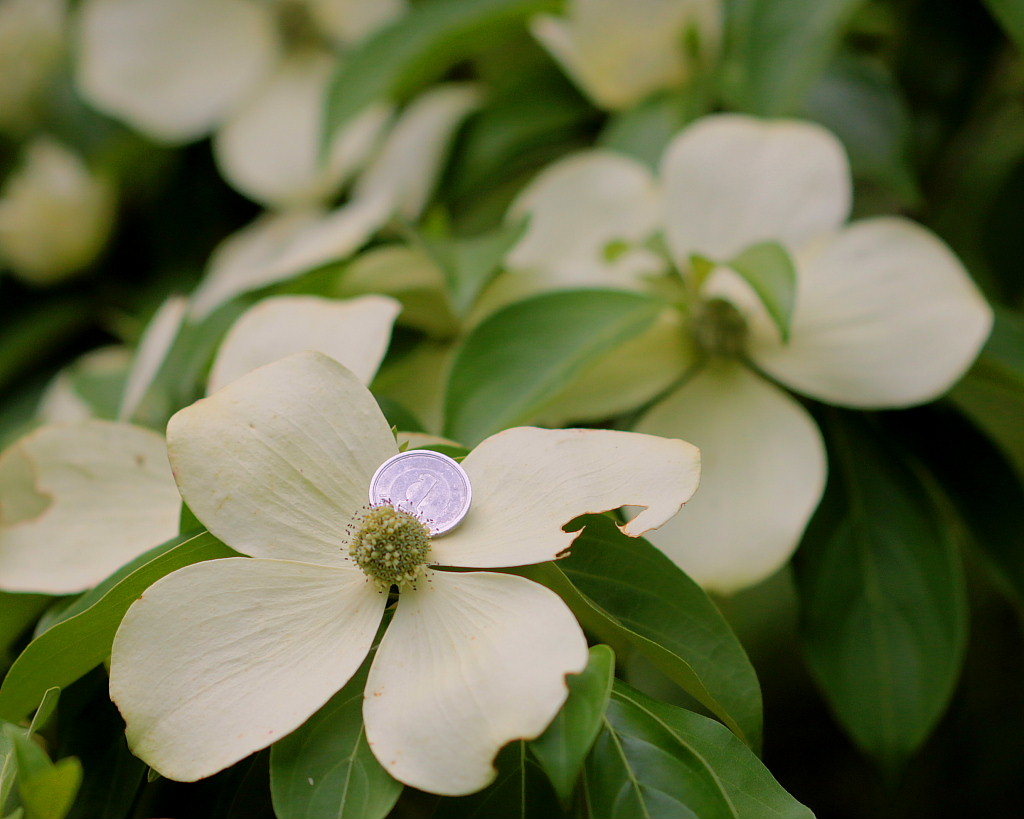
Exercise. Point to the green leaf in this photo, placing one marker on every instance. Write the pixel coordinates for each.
(775, 49)
(627, 593)
(45, 710)
(751, 788)
(420, 47)
(563, 747)
(769, 269)
(70, 649)
(519, 359)
(645, 130)
(639, 770)
(17, 613)
(883, 613)
(50, 794)
(326, 770)
(520, 790)
(992, 393)
(1010, 14)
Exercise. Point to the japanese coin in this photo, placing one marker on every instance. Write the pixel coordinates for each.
(426, 484)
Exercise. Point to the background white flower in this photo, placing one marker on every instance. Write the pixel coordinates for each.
(222, 658)
(885, 316)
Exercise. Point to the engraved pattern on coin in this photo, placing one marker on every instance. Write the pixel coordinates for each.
(427, 484)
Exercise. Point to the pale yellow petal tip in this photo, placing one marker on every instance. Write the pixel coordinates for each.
(651, 517)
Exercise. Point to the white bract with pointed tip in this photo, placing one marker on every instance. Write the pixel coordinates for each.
(222, 658)
(885, 316)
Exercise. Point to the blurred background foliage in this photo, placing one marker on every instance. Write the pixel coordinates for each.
(928, 98)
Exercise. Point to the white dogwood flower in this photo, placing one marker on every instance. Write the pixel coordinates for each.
(55, 214)
(622, 51)
(885, 316)
(222, 658)
(255, 73)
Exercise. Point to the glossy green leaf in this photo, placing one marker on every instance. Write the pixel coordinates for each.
(769, 269)
(883, 613)
(561, 749)
(992, 393)
(519, 359)
(67, 651)
(775, 49)
(418, 48)
(752, 790)
(326, 770)
(639, 770)
(1010, 14)
(520, 790)
(627, 593)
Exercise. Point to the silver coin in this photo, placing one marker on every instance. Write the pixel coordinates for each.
(427, 484)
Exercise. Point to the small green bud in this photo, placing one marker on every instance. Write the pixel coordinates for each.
(719, 328)
(390, 546)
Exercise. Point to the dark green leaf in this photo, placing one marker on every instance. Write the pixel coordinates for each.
(326, 770)
(520, 790)
(17, 613)
(561, 749)
(1010, 13)
(520, 358)
(418, 48)
(751, 788)
(992, 393)
(639, 770)
(882, 599)
(69, 650)
(631, 596)
(775, 49)
(768, 268)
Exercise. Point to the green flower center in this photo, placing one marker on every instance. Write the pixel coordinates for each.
(719, 328)
(390, 546)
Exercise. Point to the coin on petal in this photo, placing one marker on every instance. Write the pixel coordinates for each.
(427, 484)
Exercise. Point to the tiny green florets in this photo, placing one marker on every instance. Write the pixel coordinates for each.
(390, 546)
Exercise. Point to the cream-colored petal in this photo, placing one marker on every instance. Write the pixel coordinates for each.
(529, 482)
(278, 463)
(269, 148)
(63, 403)
(224, 657)
(732, 181)
(586, 215)
(622, 51)
(886, 316)
(79, 501)
(154, 344)
(355, 333)
(470, 661)
(349, 21)
(404, 172)
(173, 68)
(762, 476)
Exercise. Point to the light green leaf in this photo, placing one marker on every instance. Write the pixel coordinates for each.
(418, 48)
(639, 770)
(1010, 13)
(645, 130)
(751, 788)
(627, 593)
(519, 359)
(776, 48)
(70, 649)
(47, 789)
(769, 269)
(326, 770)
(563, 747)
(883, 612)
(45, 710)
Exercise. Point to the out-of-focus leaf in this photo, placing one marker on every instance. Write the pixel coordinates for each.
(47, 789)
(1010, 13)
(626, 592)
(326, 770)
(638, 768)
(992, 392)
(644, 131)
(768, 268)
(883, 612)
(751, 788)
(519, 358)
(561, 749)
(67, 651)
(520, 790)
(418, 48)
(775, 49)
(38, 331)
